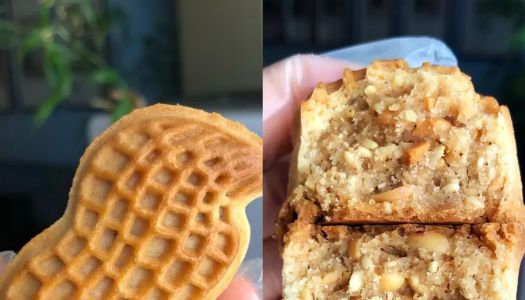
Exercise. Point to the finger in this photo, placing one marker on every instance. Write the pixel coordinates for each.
(5, 258)
(241, 289)
(275, 182)
(285, 85)
(272, 265)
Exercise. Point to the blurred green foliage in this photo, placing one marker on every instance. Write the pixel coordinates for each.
(513, 10)
(71, 36)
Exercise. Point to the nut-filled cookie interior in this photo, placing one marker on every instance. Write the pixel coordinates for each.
(400, 144)
(402, 262)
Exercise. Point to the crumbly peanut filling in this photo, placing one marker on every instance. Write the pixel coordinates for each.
(415, 139)
(436, 263)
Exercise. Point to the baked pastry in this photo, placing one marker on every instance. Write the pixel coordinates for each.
(391, 143)
(156, 211)
(402, 261)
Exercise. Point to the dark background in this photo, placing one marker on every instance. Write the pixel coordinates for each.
(486, 36)
(169, 51)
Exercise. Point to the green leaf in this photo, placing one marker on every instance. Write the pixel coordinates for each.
(32, 41)
(38, 38)
(124, 106)
(88, 11)
(106, 76)
(60, 78)
(45, 109)
(44, 13)
(517, 39)
(58, 93)
(86, 8)
(56, 65)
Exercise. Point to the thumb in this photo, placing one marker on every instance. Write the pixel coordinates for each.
(5, 258)
(241, 289)
(285, 85)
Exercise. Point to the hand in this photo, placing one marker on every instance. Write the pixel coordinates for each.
(285, 85)
(5, 258)
(241, 289)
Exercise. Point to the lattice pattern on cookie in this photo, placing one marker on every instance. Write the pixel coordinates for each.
(153, 220)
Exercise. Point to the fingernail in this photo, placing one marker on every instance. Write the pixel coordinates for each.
(7, 256)
(251, 269)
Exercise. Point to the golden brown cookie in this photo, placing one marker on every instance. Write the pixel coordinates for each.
(156, 211)
(396, 144)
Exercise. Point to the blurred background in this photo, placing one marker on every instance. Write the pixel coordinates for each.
(487, 37)
(68, 68)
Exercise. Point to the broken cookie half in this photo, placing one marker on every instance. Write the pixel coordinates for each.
(396, 144)
(156, 211)
(402, 261)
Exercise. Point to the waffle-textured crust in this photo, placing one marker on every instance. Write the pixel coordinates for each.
(503, 203)
(156, 211)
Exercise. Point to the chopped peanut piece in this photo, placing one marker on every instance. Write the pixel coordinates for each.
(363, 152)
(409, 115)
(354, 248)
(352, 160)
(358, 74)
(320, 94)
(390, 264)
(394, 107)
(431, 241)
(348, 77)
(433, 266)
(350, 113)
(441, 163)
(465, 110)
(387, 208)
(431, 127)
(369, 144)
(439, 125)
(345, 276)
(429, 103)
(367, 263)
(415, 153)
(436, 154)
(306, 295)
(475, 202)
(415, 284)
(388, 151)
(452, 187)
(489, 104)
(379, 107)
(399, 193)
(356, 281)
(332, 276)
(370, 90)
(391, 281)
(333, 86)
(387, 118)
